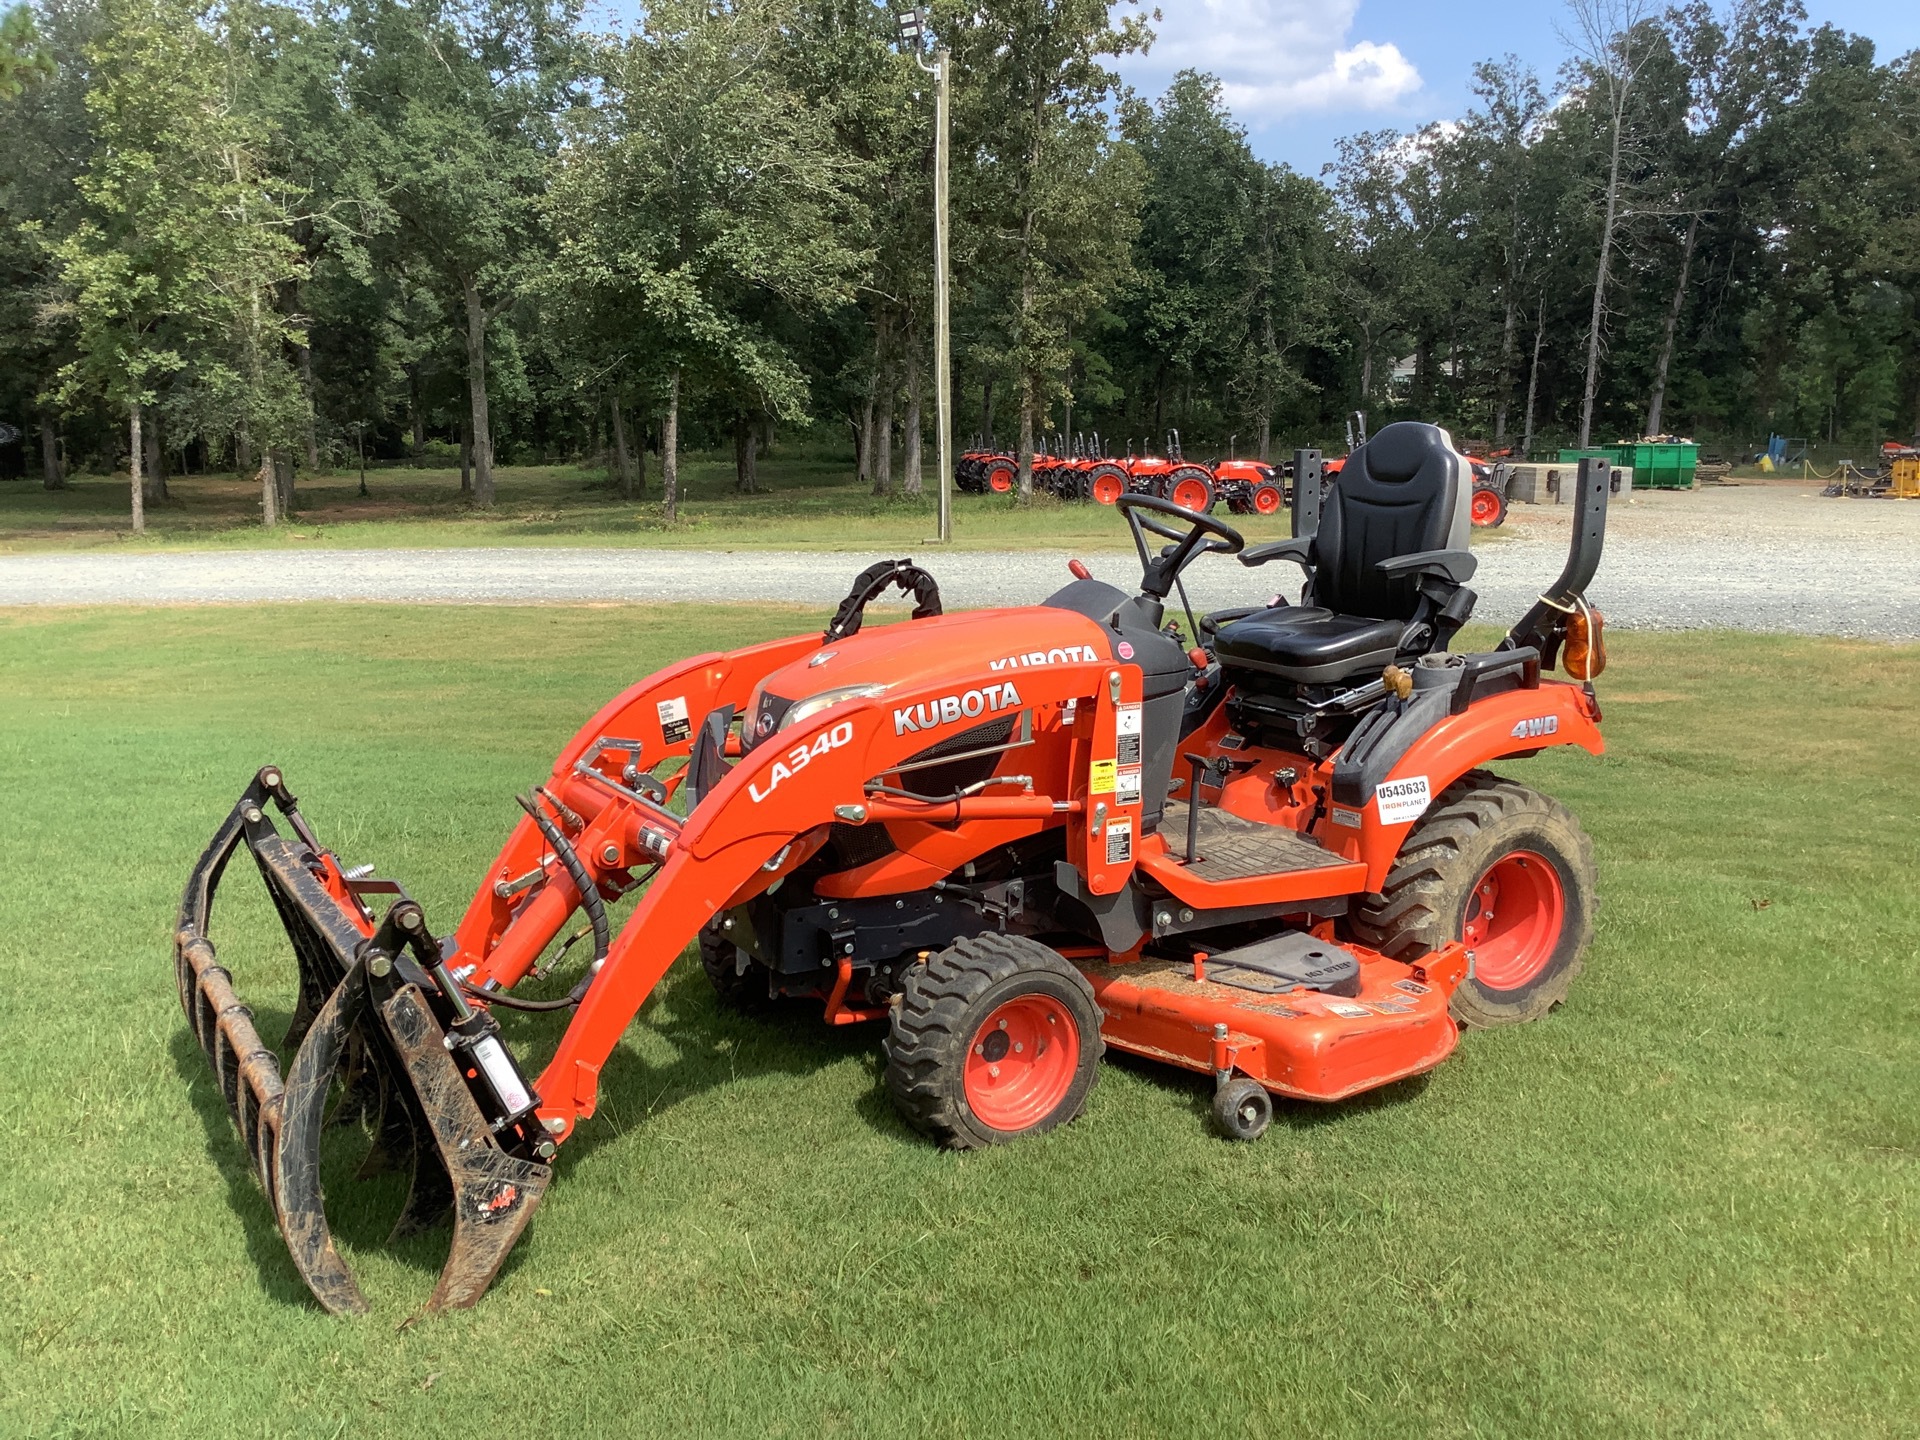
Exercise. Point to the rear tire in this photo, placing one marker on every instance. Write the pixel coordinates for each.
(1506, 868)
(1489, 508)
(993, 1038)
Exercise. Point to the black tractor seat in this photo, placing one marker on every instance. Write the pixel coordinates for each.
(1308, 644)
(1386, 570)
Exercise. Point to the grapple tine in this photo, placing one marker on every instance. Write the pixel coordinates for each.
(398, 1033)
(298, 1202)
(494, 1194)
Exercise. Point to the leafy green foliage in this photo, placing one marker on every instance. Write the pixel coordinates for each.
(300, 229)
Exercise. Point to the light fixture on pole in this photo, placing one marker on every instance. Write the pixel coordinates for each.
(912, 26)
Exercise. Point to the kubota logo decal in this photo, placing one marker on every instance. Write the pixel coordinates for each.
(1539, 725)
(799, 757)
(947, 709)
(1059, 655)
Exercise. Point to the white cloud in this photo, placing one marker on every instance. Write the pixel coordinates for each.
(1277, 58)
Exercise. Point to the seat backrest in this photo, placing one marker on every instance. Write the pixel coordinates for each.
(1404, 491)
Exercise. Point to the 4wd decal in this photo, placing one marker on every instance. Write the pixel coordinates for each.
(969, 705)
(1403, 800)
(799, 757)
(1539, 725)
(1059, 655)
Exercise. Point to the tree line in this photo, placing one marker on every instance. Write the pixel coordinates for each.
(273, 237)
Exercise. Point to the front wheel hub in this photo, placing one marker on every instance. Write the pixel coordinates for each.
(1022, 1062)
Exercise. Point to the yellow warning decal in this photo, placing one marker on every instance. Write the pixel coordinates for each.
(1103, 773)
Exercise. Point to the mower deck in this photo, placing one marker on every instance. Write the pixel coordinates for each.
(1302, 1043)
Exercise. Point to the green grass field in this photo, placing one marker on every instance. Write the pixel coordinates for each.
(809, 500)
(1685, 1203)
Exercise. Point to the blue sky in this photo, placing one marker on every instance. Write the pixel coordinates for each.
(1300, 74)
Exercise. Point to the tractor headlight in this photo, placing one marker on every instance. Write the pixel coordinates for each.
(814, 704)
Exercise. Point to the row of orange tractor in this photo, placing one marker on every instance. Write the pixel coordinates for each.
(1082, 470)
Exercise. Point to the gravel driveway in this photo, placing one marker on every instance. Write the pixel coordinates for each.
(1751, 558)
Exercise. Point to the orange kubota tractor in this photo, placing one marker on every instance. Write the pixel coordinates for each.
(1007, 839)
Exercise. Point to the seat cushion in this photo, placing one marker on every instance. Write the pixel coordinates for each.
(1307, 644)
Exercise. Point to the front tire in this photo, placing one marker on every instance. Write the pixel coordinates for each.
(743, 992)
(1508, 870)
(993, 1038)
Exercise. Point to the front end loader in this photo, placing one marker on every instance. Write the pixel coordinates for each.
(1008, 839)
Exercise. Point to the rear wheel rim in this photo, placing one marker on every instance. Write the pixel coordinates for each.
(1516, 913)
(1021, 1062)
(1191, 495)
(1107, 489)
(1266, 500)
(1486, 507)
(1001, 481)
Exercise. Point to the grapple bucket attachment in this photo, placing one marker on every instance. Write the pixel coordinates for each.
(378, 1012)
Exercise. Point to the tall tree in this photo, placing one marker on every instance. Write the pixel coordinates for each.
(699, 195)
(1611, 40)
(182, 239)
(454, 106)
(1043, 176)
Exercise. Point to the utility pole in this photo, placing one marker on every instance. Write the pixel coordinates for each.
(911, 25)
(942, 334)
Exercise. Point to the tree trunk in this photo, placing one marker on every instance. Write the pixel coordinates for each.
(416, 416)
(1026, 439)
(622, 468)
(864, 444)
(1366, 364)
(1266, 437)
(640, 464)
(883, 436)
(912, 481)
(1533, 377)
(282, 464)
(1506, 375)
(743, 456)
(52, 476)
(986, 409)
(243, 454)
(477, 395)
(305, 356)
(153, 474)
(137, 450)
(1656, 403)
(670, 450)
(269, 494)
(466, 456)
(1592, 386)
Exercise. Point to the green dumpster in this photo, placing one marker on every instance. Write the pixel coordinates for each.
(1655, 466)
(1664, 466)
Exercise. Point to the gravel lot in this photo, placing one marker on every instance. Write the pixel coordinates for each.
(1753, 557)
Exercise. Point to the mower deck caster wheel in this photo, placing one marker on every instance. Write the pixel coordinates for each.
(1242, 1109)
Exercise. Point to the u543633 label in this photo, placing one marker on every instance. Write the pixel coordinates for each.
(1403, 800)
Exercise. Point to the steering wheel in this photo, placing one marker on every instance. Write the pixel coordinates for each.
(1160, 573)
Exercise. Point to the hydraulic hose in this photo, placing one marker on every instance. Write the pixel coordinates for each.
(589, 900)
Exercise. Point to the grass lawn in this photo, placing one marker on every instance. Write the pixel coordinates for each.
(808, 501)
(1685, 1203)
